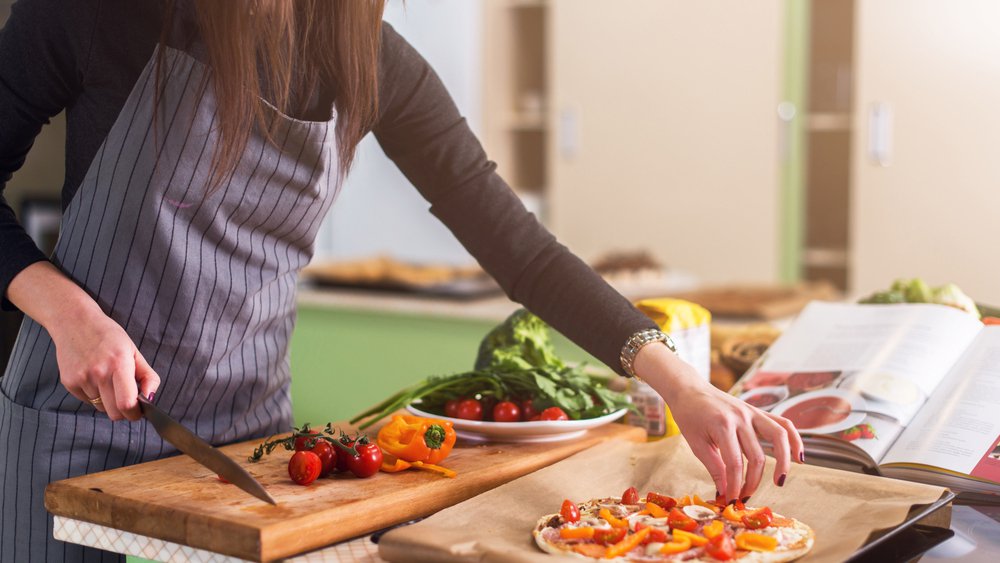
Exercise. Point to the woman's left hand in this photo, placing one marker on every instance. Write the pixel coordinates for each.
(721, 429)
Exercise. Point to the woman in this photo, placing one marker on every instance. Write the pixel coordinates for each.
(190, 204)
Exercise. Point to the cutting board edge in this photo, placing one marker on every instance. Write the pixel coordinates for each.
(91, 505)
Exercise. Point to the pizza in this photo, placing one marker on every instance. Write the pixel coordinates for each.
(662, 528)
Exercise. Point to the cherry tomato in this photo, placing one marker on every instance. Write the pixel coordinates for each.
(663, 501)
(535, 418)
(341, 461)
(327, 455)
(721, 547)
(451, 408)
(658, 535)
(367, 462)
(506, 411)
(554, 413)
(758, 519)
(302, 442)
(569, 511)
(630, 496)
(304, 467)
(608, 536)
(528, 410)
(680, 521)
(469, 409)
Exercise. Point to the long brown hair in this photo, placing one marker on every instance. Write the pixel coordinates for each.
(269, 49)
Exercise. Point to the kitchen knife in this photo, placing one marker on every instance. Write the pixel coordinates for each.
(202, 452)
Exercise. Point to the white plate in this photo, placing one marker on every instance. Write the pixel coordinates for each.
(537, 431)
(856, 401)
(779, 391)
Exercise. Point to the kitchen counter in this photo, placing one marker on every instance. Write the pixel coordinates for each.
(490, 308)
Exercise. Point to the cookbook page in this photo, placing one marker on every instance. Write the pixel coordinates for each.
(959, 429)
(859, 372)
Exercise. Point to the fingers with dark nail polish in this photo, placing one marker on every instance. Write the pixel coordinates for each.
(802, 457)
(781, 480)
(744, 500)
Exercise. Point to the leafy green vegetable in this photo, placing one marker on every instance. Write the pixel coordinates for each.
(516, 361)
(520, 342)
(916, 290)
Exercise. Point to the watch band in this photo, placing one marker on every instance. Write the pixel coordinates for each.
(636, 343)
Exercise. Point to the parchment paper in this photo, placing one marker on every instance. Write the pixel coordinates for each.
(842, 508)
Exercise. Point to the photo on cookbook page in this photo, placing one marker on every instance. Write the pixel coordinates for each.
(859, 373)
(828, 402)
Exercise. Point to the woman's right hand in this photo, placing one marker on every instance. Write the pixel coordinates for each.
(95, 355)
(97, 358)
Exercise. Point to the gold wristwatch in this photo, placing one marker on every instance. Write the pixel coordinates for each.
(636, 343)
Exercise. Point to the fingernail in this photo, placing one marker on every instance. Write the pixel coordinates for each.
(744, 500)
(717, 494)
(734, 501)
(151, 395)
(781, 480)
(802, 457)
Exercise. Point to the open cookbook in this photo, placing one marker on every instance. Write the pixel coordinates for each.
(910, 391)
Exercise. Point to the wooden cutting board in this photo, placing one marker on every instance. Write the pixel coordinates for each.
(178, 500)
(765, 302)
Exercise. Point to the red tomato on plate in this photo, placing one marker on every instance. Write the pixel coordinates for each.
(554, 413)
(528, 411)
(506, 411)
(451, 408)
(470, 409)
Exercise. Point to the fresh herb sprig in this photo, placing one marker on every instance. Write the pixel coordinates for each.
(327, 434)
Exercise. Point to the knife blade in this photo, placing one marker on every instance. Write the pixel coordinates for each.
(201, 451)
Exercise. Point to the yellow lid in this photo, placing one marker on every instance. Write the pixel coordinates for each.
(674, 314)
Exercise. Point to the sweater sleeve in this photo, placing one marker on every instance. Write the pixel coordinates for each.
(41, 48)
(421, 130)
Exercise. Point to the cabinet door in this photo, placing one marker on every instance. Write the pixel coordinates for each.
(666, 132)
(930, 208)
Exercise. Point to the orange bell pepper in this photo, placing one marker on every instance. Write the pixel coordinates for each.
(695, 539)
(627, 544)
(713, 528)
(709, 505)
(732, 514)
(756, 542)
(392, 464)
(412, 438)
(583, 533)
(655, 510)
(435, 468)
(677, 545)
(610, 519)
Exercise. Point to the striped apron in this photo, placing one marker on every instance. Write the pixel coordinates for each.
(203, 280)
